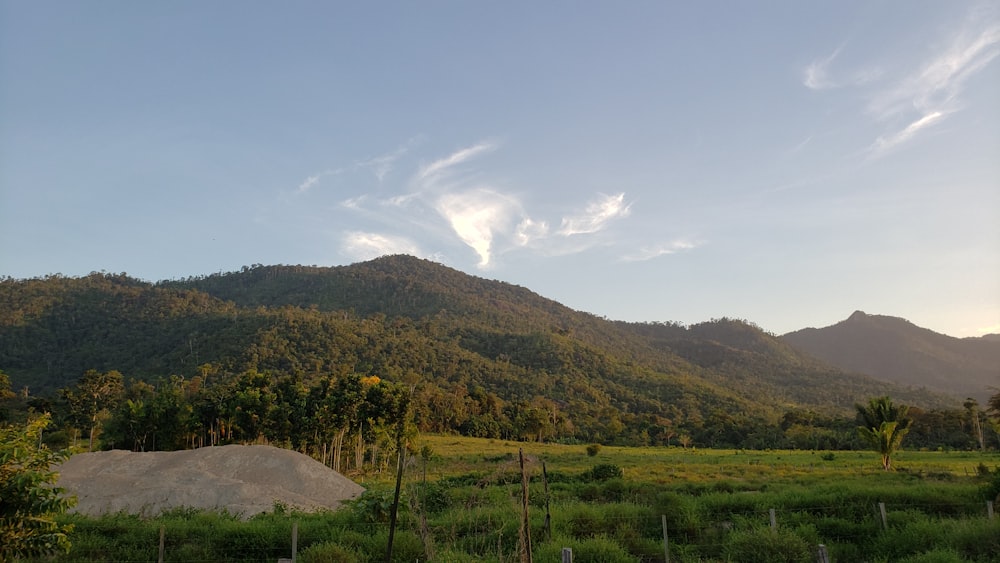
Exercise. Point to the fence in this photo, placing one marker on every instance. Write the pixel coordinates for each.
(580, 531)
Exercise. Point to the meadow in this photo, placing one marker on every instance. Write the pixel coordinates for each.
(462, 501)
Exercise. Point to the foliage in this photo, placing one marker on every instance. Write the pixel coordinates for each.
(605, 471)
(29, 501)
(262, 353)
(716, 504)
(883, 425)
(328, 552)
(593, 449)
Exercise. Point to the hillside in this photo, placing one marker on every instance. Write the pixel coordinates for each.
(896, 350)
(478, 353)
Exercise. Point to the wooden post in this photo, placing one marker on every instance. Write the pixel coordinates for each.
(989, 509)
(774, 519)
(567, 555)
(163, 533)
(548, 513)
(400, 428)
(525, 522)
(821, 555)
(666, 541)
(295, 540)
(885, 521)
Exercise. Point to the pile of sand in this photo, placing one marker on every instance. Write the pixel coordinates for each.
(243, 480)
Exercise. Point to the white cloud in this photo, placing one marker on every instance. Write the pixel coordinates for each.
(657, 250)
(439, 167)
(929, 95)
(528, 230)
(816, 76)
(446, 203)
(308, 183)
(382, 165)
(884, 144)
(940, 80)
(354, 202)
(366, 246)
(596, 216)
(477, 216)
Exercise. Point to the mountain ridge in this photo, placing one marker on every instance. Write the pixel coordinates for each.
(895, 349)
(458, 339)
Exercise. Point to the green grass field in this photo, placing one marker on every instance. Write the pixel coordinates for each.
(609, 507)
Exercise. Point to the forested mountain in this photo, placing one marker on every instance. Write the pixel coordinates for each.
(894, 349)
(482, 357)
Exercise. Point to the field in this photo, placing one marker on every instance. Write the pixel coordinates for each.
(462, 501)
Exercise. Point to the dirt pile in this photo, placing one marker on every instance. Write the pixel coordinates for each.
(243, 480)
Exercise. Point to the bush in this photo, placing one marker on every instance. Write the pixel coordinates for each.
(605, 471)
(327, 552)
(593, 449)
(765, 545)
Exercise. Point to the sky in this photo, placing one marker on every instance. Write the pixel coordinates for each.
(782, 162)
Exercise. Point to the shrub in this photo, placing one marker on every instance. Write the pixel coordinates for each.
(605, 471)
(942, 555)
(327, 552)
(764, 545)
(593, 449)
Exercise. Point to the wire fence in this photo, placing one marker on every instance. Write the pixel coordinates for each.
(595, 532)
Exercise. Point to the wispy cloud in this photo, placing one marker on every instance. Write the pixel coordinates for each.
(311, 181)
(439, 167)
(451, 202)
(366, 246)
(657, 250)
(477, 216)
(382, 165)
(927, 96)
(816, 75)
(529, 230)
(596, 216)
(939, 81)
(884, 144)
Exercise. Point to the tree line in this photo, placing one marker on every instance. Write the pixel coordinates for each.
(342, 419)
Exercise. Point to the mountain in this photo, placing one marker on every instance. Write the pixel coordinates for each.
(896, 350)
(475, 351)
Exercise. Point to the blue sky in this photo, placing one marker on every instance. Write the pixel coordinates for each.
(782, 162)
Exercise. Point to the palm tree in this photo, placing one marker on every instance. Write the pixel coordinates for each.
(884, 425)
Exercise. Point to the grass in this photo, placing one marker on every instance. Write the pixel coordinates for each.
(716, 504)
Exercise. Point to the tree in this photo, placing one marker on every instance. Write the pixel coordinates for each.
(28, 499)
(883, 425)
(93, 397)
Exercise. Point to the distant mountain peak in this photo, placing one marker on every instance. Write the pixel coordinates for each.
(894, 349)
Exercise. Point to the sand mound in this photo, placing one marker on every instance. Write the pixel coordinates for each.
(244, 480)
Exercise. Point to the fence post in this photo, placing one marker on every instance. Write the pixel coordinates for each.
(295, 540)
(525, 521)
(666, 541)
(163, 532)
(774, 519)
(885, 521)
(821, 555)
(567, 555)
(989, 509)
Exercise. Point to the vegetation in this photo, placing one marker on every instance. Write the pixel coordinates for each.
(29, 501)
(254, 354)
(884, 425)
(716, 504)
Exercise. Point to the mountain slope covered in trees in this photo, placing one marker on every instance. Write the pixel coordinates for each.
(896, 350)
(482, 357)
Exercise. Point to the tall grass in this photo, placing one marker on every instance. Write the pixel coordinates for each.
(716, 505)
